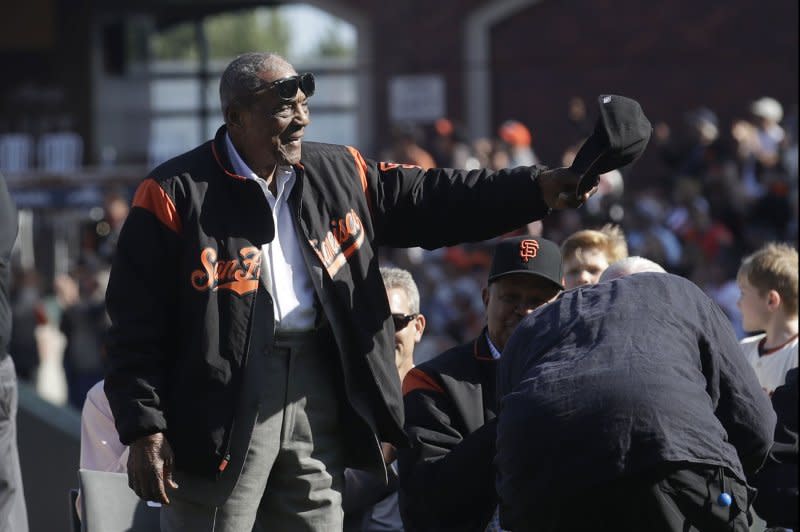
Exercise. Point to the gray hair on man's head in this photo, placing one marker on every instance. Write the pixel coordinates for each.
(628, 266)
(402, 279)
(240, 79)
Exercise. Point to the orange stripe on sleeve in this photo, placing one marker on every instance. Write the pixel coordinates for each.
(152, 197)
(361, 166)
(419, 380)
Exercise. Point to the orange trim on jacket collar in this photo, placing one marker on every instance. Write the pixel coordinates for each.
(232, 174)
(480, 348)
(416, 379)
(219, 162)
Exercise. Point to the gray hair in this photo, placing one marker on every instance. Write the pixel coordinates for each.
(628, 266)
(399, 278)
(240, 79)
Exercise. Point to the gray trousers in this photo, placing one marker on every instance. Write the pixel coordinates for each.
(290, 466)
(13, 516)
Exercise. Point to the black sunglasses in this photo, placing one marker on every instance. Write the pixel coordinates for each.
(286, 88)
(401, 321)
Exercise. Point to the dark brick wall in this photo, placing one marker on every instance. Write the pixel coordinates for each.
(418, 37)
(671, 56)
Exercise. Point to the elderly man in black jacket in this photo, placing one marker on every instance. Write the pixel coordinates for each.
(447, 477)
(627, 406)
(251, 348)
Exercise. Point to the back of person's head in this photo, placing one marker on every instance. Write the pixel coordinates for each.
(402, 279)
(768, 109)
(774, 267)
(703, 123)
(629, 266)
(407, 132)
(514, 133)
(444, 127)
(609, 239)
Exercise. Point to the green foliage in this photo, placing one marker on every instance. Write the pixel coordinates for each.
(232, 34)
(228, 35)
(332, 45)
(177, 42)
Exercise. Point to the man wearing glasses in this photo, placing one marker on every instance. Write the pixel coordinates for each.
(250, 349)
(370, 503)
(447, 477)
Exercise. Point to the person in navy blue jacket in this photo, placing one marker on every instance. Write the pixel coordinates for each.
(627, 406)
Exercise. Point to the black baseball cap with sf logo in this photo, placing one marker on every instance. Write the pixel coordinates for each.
(527, 254)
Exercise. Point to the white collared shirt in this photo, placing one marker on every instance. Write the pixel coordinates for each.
(282, 259)
(495, 352)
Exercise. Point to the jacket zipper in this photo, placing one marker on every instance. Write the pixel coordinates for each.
(301, 228)
(228, 439)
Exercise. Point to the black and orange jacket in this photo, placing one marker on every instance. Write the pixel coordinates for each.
(185, 284)
(447, 477)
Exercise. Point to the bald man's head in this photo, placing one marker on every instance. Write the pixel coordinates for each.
(628, 266)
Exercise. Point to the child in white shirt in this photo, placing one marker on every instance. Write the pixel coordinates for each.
(768, 283)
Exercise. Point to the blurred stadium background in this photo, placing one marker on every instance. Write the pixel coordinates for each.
(94, 93)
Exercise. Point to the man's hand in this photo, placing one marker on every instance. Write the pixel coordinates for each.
(150, 464)
(558, 188)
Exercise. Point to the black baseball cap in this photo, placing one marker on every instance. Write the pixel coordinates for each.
(619, 138)
(527, 254)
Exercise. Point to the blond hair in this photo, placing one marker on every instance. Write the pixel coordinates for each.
(609, 240)
(773, 267)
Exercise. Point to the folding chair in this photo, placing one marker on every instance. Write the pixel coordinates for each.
(109, 505)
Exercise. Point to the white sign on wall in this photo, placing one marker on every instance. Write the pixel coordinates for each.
(417, 98)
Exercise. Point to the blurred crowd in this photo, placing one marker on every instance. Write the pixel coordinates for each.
(711, 194)
(60, 324)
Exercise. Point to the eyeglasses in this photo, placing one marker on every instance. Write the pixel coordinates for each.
(401, 321)
(286, 88)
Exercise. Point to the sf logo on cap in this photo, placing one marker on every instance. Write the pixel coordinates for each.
(528, 249)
